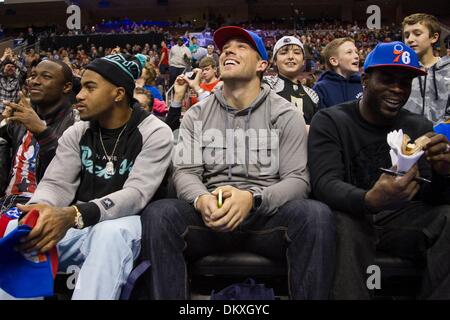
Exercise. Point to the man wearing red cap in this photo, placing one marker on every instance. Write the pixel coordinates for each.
(348, 145)
(244, 145)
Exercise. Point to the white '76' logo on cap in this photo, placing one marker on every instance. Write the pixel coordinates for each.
(400, 53)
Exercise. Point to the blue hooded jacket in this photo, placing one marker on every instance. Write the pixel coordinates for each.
(334, 89)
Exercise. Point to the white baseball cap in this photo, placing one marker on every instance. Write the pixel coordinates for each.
(286, 41)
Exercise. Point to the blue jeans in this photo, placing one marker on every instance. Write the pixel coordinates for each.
(105, 254)
(302, 233)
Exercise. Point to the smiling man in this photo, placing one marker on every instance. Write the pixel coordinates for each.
(347, 146)
(34, 127)
(250, 143)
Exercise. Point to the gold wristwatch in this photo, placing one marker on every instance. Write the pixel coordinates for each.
(79, 224)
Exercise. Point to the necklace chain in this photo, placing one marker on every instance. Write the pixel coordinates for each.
(115, 145)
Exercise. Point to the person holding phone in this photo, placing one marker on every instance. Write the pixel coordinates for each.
(12, 76)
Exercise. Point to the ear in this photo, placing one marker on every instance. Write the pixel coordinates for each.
(364, 79)
(262, 65)
(434, 38)
(119, 95)
(334, 61)
(67, 87)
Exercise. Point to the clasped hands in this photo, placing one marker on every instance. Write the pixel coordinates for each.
(236, 207)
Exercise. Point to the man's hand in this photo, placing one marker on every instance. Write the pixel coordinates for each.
(180, 88)
(437, 152)
(236, 207)
(194, 83)
(7, 112)
(7, 54)
(116, 50)
(207, 204)
(24, 113)
(391, 192)
(50, 227)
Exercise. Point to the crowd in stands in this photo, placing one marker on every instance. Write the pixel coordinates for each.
(314, 37)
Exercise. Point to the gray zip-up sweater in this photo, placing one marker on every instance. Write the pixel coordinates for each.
(270, 161)
(430, 94)
(77, 172)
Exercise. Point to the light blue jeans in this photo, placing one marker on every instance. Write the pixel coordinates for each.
(102, 255)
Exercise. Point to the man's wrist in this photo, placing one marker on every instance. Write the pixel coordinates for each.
(196, 201)
(369, 205)
(78, 218)
(71, 213)
(39, 129)
(178, 97)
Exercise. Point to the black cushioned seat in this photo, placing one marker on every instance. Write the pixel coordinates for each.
(246, 263)
(395, 266)
(237, 264)
(400, 277)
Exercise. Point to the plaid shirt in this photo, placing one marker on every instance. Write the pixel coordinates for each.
(10, 86)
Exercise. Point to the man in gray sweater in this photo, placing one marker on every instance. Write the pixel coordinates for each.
(107, 168)
(245, 145)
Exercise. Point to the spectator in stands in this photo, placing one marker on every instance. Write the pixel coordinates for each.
(31, 37)
(164, 59)
(149, 76)
(30, 57)
(193, 48)
(430, 94)
(144, 97)
(32, 131)
(264, 208)
(209, 74)
(288, 57)
(12, 77)
(205, 79)
(106, 169)
(342, 82)
(374, 211)
(179, 60)
(211, 54)
(308, 52)
(151, 104)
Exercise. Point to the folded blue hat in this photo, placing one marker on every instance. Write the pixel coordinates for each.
(24, 276)
(443, 128)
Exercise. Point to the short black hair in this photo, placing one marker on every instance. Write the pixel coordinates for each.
(67, 72)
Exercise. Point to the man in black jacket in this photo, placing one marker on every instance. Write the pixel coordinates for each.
(29, 139)
(347, 146)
